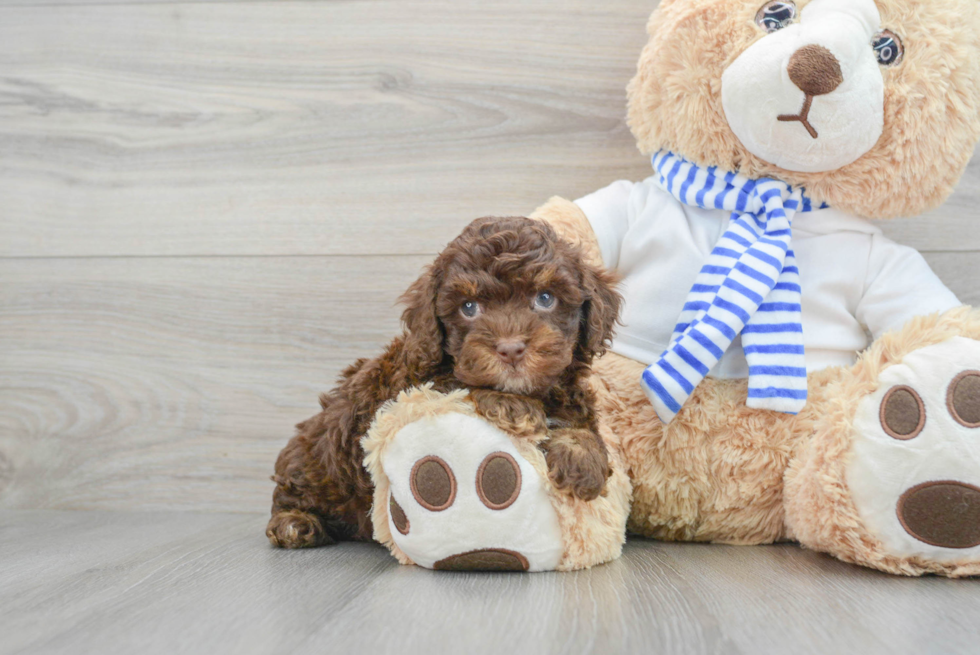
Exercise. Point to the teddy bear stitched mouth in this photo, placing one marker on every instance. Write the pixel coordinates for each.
(816, 72)
(803, 116)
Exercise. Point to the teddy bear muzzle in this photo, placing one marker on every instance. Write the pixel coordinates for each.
(823, 67)
(816, 72)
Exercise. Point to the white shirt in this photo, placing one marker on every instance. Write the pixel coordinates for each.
(854, 280)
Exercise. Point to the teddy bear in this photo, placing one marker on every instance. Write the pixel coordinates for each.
(783, 371)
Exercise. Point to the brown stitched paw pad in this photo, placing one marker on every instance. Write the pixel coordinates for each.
(296, 529)
(487, 559)
(903, 414)
(943, 513)
(433, 483)
(398, 517)
(963, 399)
(577, 470)
(468, 493)
(498, 480)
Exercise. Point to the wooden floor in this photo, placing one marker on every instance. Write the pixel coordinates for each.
(207, 209)
(113, 582)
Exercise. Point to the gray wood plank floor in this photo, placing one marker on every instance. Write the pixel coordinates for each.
(87, 582)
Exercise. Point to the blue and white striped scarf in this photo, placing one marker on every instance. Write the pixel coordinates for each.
(750, 285)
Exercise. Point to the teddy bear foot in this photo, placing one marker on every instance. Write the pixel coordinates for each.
(456, 492)
(914, 464)
(461, 497)
(468, 499)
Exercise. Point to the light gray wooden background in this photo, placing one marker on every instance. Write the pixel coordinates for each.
(208, 208)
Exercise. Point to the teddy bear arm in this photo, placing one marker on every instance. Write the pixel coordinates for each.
(570, 222)
(900, 285)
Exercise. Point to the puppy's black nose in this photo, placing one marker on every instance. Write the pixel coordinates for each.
(511, 352)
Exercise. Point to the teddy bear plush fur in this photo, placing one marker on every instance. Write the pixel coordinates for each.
(723, 472)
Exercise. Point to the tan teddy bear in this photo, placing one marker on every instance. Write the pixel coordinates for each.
(785, 371)
(872, 107)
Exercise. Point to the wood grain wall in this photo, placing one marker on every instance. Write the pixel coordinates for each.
(208, 208)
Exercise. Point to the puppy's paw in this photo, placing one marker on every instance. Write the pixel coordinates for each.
(518, 415)
(296, 529)
(577, 467)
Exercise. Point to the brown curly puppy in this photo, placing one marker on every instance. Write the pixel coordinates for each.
(507, 310)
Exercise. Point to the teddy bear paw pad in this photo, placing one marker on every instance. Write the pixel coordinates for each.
(914, 470)
(487, 559)
(462, 498)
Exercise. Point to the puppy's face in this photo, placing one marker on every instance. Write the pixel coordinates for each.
(515, 327)
(511, 305)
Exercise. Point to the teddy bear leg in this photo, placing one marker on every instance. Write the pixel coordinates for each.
(462, 497)
(891, 475)
(454, 491)
(716, 472)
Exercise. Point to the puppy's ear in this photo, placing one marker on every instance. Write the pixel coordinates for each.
(600, 312)
(425, 335)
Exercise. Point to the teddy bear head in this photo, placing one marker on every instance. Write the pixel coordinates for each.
(872, 105)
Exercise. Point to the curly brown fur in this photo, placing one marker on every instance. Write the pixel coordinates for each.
(578, 461)
(519, 415)
(477, 319)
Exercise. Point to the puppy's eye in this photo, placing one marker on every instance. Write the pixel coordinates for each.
(470, 309)
(545, 300)
(775, 15)
(888, 48)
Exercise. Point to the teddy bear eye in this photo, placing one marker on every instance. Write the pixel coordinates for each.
(888, 48)
(775, 15)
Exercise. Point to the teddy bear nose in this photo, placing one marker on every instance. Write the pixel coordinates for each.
(511, 352)
(815, 70)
